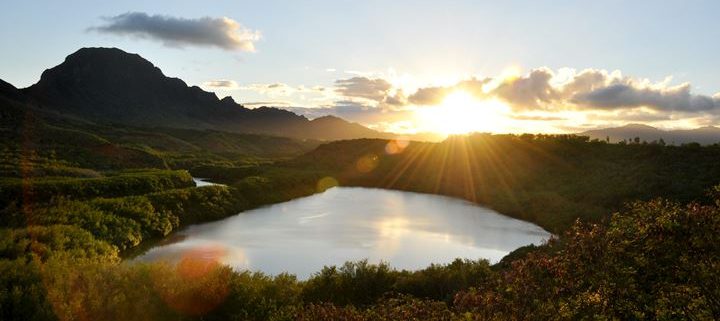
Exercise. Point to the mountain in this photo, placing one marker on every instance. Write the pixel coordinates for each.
(341, 129)
(39, 142)
(108, 85)
(703, 135)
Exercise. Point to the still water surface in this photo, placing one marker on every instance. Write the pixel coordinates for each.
(200, 182)
(407, 230)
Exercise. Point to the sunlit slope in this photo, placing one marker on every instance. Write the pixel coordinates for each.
(550, 180)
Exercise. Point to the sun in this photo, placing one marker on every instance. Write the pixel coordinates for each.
(461, 113)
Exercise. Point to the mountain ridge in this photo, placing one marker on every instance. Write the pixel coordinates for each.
(705, 135)
(111, 85)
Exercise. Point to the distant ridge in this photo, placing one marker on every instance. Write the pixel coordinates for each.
(703, 135)
(113, 86)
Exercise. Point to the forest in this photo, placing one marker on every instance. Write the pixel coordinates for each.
(636, 229)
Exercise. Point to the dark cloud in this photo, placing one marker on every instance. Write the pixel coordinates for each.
(529, 92)
(221, 84)
(356, 112)
(222, 32)
(398, 99)
(585, 81)
(375, 89)
(666, 99)
(429, 95)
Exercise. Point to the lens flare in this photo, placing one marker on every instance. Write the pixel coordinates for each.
(367, 163)
(396, 146)
(197, 283)
(326, 183)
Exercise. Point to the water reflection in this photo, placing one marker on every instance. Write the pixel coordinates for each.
(408, 230)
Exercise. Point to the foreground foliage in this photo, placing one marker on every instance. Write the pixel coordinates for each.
(655, 260)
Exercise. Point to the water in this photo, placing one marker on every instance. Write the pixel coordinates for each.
(407, 230)
(200, 182)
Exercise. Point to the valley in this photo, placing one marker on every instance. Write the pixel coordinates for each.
(98, 161)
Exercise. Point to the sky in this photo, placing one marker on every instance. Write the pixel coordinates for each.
(407, 66)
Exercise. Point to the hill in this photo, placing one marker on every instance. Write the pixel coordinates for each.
(551, 180)
(38, 141)
(703, 135)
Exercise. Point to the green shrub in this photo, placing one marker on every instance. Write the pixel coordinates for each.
(40, 190)
(43, 242)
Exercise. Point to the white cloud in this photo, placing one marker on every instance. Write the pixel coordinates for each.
(375, 89)
(221, 84)
(220, 32)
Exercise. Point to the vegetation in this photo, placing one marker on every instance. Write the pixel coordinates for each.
(655, 260)
(110, 185)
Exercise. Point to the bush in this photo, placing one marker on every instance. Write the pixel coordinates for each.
(44, 242)
(34, 191)
(195, 205)
(353, 283)
(656, 260)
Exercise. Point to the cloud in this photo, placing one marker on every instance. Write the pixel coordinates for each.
(543, 89)
(537, 117)
(375, 89)
(435, 95)
(676, 98)
(474, 86)
(356, 112)
(529, 92)
(549, 100)
(599, 89)
(565, 97)
(587, 80)
(278, 103)
(224, 33)
(221, 84)
(398, 99)
(429, 95)
(281, 89)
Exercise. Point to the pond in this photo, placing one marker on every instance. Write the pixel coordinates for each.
(407, 230)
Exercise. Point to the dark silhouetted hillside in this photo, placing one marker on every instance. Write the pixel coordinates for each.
(113, 86)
